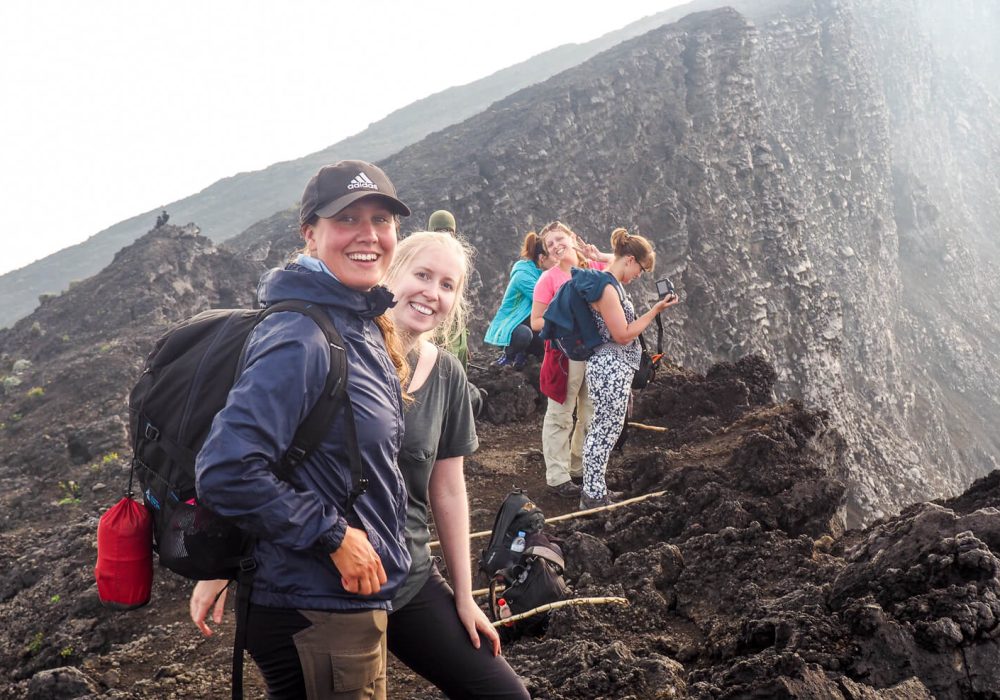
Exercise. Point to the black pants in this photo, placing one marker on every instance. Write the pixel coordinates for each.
(426, 635)
(318, 654)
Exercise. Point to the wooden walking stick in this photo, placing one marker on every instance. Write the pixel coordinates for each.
(644, 426)
(561, 604)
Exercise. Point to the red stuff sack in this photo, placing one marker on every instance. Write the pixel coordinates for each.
(124, 569)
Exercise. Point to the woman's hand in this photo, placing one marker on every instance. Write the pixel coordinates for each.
(204, 596)
(592, 252)
(475, 621)
(666, 302)
(360, 568)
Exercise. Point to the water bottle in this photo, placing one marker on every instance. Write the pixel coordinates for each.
(505, 611)
(517, 546)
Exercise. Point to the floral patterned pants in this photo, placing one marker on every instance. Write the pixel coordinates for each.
(609, 384)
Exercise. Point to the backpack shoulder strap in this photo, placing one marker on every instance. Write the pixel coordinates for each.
(548, 554)
(334, 395)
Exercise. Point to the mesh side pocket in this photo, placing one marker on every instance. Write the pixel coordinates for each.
(198, 544)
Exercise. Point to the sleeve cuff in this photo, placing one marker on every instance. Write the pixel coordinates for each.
(330, 541)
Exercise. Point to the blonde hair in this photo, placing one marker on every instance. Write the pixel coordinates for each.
(450, 329)
(624, 243)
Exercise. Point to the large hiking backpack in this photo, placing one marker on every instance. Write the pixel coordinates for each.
(522, 580)
(185, 382)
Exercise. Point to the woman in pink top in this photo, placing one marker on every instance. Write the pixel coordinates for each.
(562, 380)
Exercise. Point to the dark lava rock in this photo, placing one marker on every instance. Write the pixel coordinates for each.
(64, 683)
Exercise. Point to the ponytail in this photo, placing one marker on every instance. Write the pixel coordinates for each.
(624, 243)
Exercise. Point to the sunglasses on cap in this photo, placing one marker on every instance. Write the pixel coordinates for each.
(552, 226)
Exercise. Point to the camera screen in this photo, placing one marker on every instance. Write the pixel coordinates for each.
(664, 287)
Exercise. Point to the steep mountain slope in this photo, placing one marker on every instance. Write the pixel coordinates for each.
(230, 205)
(771, 163)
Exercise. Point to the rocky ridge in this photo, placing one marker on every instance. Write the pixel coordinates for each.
(777, 165)
(740, 576)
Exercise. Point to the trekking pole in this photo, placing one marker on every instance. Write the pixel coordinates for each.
(561, 604)
(570, 516)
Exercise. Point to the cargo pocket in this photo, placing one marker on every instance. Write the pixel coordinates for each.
(343, 654)
(354, 671)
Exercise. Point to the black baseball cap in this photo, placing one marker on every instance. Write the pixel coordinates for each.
(337, 186)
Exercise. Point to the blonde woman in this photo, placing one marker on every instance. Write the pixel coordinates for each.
(438, 630)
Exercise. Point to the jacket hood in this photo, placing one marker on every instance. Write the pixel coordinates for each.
(297, 282)
(526, 266)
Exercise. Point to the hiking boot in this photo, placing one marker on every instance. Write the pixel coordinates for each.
(607, 499)
(567, 489)
(519, 360)
(502, 360)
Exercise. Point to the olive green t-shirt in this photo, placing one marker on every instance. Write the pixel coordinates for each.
(439, 425)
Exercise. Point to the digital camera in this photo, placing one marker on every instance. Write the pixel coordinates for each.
(664, 287)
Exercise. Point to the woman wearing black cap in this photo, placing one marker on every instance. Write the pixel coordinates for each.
(325, 571)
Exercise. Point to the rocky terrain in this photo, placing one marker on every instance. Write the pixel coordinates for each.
(740, 576)
(818, 176)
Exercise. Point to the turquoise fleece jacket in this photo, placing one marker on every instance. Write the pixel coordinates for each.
(516, 304)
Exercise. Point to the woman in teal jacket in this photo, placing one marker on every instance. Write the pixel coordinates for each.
(510, 327)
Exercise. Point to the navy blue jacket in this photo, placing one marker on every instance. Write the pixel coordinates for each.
(569, 311)
(299, 523)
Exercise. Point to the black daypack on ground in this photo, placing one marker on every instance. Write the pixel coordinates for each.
(533, 580)
(517, 513)
(523, 580)
(185, 382)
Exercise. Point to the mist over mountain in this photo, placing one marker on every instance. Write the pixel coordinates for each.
(230, 205)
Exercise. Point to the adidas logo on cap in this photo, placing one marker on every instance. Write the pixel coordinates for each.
(361, 182)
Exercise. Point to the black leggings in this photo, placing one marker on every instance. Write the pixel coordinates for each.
(524, 340)
(427, 635)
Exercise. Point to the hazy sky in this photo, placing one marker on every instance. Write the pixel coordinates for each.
(114, 107)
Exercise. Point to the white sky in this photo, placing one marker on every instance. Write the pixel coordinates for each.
(114, 107)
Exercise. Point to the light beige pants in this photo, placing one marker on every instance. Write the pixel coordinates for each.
(562, 445)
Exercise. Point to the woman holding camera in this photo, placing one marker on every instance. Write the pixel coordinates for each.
(611, 368)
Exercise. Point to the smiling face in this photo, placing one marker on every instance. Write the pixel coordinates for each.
(357, 243)
(559, 245)
(426, 288)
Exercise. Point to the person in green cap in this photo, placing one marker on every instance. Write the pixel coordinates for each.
(443, 221)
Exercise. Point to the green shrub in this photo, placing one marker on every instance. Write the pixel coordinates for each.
(35, 392)
(71, 493)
